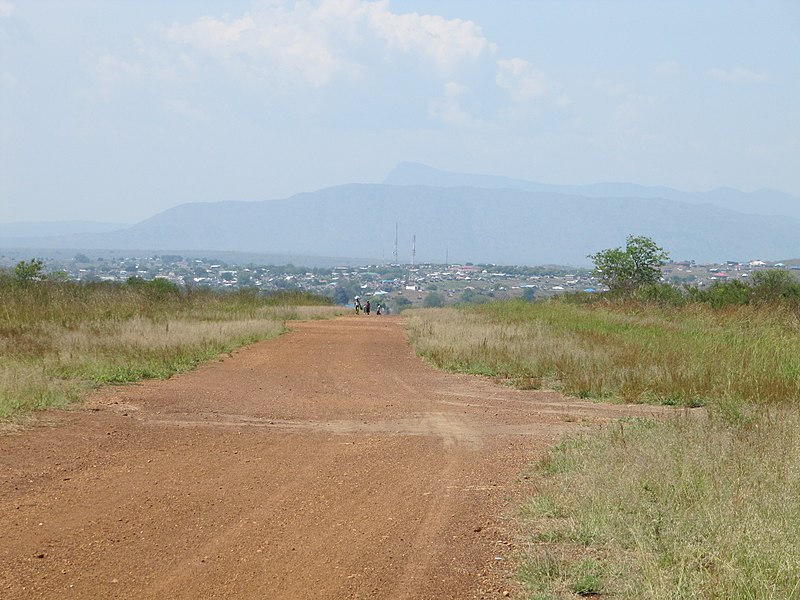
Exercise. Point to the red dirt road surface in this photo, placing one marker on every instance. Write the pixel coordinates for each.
(328, 463)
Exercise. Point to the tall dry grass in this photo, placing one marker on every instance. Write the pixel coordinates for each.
(691, 507)
(59, 339)
(690, 355)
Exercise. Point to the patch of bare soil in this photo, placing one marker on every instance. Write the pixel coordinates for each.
(329, 463)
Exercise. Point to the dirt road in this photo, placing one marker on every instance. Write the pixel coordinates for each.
(329, 463)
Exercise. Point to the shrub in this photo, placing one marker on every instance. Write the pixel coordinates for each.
(399, 303)
(722, 293)
(774, 285)
(28, 270)
(660, 293)
(766, 287)
(433, 300)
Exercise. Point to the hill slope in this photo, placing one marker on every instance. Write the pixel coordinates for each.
(505, 226)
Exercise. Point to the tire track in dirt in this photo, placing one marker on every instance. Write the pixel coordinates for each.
(329, 463)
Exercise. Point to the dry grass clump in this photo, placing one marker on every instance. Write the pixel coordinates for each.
(683, 355)
(58, 340)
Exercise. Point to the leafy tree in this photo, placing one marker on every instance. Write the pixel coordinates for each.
(28, 270)
(433, 300)
(162, 288)
(345, 292)
(399, 303)
(472, 297)
(467, 296)
(774, 284)
(625, 270)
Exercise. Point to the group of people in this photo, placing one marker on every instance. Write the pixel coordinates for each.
(367, 307)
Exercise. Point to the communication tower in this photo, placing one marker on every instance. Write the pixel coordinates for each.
(395, 244)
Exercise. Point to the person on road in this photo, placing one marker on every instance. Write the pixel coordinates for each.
(358, 305)
(366, 307)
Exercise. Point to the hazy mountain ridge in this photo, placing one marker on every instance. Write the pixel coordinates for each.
(475, 224)
(759, 202)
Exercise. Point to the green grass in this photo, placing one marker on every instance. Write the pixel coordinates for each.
(60, 339)
(690, 508)
(687, 356)
(701, 505)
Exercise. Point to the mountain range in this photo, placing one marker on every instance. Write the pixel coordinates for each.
(759, 202)
(462, 217)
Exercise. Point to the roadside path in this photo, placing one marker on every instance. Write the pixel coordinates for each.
(328, 463)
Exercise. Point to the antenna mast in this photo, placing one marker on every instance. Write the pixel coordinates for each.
(395, 243)
(413, 250)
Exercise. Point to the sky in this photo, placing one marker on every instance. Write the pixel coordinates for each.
(115, 110)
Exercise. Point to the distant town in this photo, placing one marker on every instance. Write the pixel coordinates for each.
(394, 286)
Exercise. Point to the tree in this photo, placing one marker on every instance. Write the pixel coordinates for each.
(399, 303)
(472, 297)
(433, 300)
(345, 292)
(28, 270)
(773, 284)
(625, 270)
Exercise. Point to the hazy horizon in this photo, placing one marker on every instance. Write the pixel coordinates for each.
(127, 224)
(116, 111)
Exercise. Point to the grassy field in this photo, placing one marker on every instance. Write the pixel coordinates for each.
(697, 506)
(691, 355)
(60, 339)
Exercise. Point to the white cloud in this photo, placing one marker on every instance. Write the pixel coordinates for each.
(317, 42)
(521, 79)
(211, 35)
(292, 47)
(448, 109)
(6, 9)
(446, 41)
(738, 75)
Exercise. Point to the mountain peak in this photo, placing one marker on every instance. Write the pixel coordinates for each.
(413, 173)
